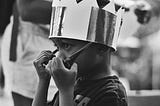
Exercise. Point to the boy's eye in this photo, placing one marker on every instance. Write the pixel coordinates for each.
(66, 46)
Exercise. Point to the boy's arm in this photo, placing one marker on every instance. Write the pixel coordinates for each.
(44, 78)
(66, 98)
(41, 94)
(64, 80)
(36, 11)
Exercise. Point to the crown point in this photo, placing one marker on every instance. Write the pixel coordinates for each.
(78, 1)
(102, 3)
(110, 7)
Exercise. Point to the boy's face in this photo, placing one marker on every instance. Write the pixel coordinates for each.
(86, 60)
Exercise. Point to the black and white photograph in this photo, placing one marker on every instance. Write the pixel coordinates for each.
(79, 53)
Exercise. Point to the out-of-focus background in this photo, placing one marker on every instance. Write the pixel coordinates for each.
(137, 59)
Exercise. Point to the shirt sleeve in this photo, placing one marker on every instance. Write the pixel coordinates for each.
(111, 99)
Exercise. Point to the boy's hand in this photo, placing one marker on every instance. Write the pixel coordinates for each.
(63, 77)
(39, 64)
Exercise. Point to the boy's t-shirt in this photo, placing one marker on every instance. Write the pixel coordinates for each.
(107, 91)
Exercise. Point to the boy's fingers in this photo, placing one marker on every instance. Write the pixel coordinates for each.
(43, 58)
(40, 61)
(59, 63)
(45, 53)
(48, 66)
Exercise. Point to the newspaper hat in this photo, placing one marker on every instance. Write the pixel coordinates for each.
(87, 20)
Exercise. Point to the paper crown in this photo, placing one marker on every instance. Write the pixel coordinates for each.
(87, 20)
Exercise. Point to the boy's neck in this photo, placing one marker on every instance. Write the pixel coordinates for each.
(97, 74)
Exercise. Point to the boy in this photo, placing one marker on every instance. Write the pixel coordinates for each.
(88, 47)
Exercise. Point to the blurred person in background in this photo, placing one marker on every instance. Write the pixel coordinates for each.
(25, 36)
(144, 15)
(149, 35)
(2, 79)
(145, 28)
(5, 13)
(126, 61)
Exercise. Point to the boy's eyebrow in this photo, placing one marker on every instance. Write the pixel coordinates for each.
(59, 42)
(67, 41)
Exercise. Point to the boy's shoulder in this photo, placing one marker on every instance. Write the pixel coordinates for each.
(107, 91)
(102, 92)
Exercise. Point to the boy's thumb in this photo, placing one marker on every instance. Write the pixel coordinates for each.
(74, 67)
